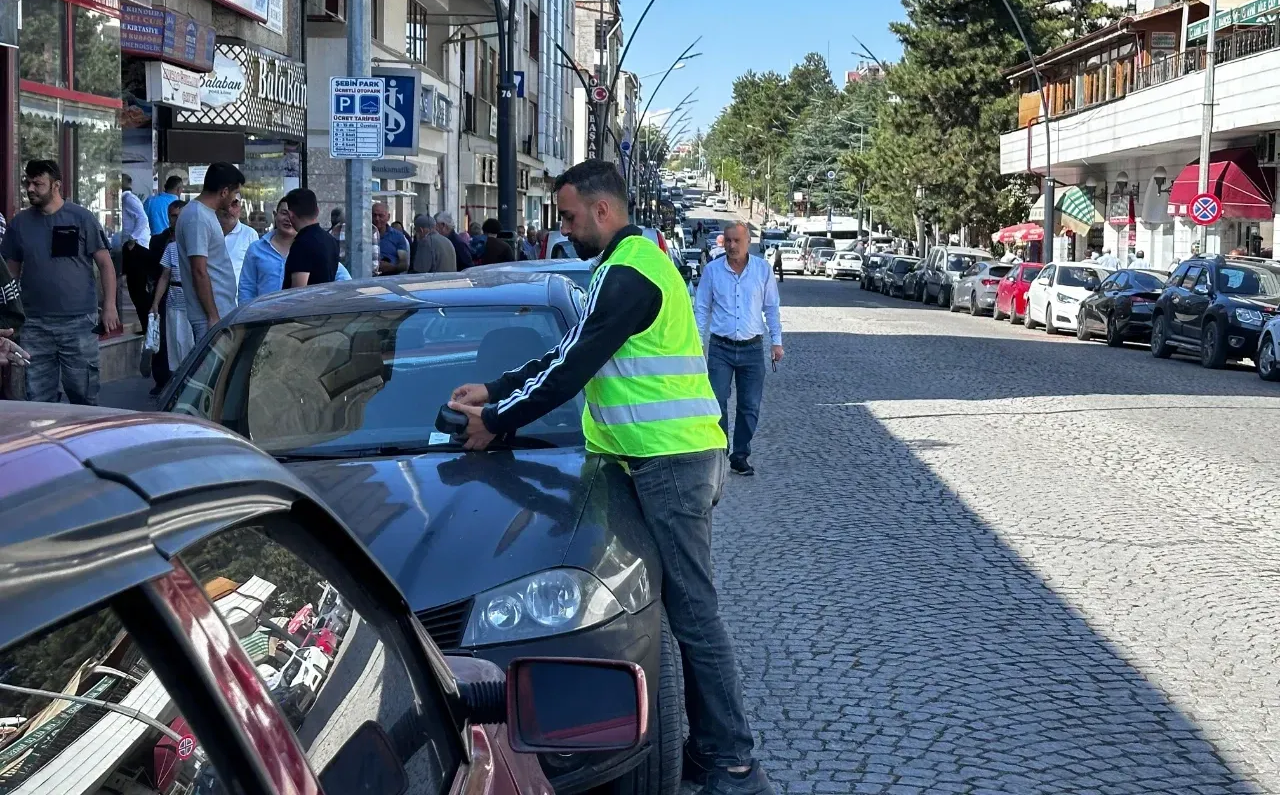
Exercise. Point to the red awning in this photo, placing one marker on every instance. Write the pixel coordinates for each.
(1235, 178)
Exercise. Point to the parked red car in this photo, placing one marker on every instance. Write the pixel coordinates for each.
(1011, 294)
(146, 565)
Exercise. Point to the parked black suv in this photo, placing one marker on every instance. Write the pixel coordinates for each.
(1216, 308)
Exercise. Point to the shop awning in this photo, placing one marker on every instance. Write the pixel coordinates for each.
(1075, 210)
(1019, 233)
(1234, 177)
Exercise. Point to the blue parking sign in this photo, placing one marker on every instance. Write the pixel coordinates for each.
(344, 103)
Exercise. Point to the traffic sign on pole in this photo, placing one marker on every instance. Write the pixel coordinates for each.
(1205, 209)
(186, 746)
(355, 118)
(600, 94)
(625, 146)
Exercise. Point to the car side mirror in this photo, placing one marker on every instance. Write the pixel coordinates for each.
(366, 764)
(561, 705)
(1093, 285)
(1201, 289)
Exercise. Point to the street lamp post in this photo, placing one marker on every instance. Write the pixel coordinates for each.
(506, 135)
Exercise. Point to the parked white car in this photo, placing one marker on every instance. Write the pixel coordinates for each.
(1053, 300)
(845, 265)
(1268, 357)
(791, 257)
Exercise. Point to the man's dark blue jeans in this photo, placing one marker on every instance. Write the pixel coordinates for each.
(677, 494)
(732, 365)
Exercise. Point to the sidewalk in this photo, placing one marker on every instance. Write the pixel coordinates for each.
(127, 393)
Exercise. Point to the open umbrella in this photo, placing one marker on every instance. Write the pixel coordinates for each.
(1019, 233)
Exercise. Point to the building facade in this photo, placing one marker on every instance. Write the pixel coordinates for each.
(107, 87)
(1123, 110)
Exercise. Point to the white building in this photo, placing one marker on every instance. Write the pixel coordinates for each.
(1125, 111)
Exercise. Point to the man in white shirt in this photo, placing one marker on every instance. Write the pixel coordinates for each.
(135, 256)
(736, 306)
(239, 236)
(1108, 260)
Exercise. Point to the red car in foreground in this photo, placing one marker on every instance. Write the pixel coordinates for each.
(149, 566)
(1011, 294)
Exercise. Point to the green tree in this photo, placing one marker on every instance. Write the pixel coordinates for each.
(950, 103)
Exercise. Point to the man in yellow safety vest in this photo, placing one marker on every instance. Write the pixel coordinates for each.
(638, 356)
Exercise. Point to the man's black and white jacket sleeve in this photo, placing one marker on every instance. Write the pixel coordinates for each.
(620, 303)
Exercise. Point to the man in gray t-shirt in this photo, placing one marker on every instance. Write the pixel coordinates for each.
(208, 278)
(52, 248)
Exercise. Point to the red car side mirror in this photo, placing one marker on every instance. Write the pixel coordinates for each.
(562, 704)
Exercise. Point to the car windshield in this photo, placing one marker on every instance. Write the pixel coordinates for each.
(902, 265)
(330, 385)
(821, 242)
(1247, 280)
(1076, 276)
(960, 262)
(1148, 282)
(999, 271)
(825, 253)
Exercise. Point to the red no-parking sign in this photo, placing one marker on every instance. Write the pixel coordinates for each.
(1205, 209)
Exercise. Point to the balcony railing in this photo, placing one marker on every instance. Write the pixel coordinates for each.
(1117, 79)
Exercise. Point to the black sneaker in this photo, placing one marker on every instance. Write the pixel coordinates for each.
(753, 782)
(696, 766)
(740, 466)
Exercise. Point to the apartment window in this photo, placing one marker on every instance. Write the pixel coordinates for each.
(602, 35)
(535, 35)
(375, 19)
(533, 127)
(468, 112)
(415, 33)
(487, 75)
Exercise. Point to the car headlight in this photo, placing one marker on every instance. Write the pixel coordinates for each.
(551, 602)
(1249, 317)
(1066, 299)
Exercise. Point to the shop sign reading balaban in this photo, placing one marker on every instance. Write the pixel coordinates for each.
(224, 84)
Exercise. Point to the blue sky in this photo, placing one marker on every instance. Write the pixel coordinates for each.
(738, 35)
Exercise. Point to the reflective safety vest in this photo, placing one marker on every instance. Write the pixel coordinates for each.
(653, 398)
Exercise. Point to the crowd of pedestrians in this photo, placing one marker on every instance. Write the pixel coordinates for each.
(185, 264)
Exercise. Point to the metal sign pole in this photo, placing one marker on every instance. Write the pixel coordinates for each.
(1206, 131)
(359, 228)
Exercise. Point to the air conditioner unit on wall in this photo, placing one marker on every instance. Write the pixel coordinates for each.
(1268, 149)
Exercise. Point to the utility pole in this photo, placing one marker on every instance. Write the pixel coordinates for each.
(1206, 131)
(359, 229)
(506, 135)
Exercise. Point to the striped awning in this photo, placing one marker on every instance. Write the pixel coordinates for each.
(1075, 211)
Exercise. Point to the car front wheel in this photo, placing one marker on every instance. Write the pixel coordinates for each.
(1213, 346)
(659, 774)
(1160, 347)
(1268, 369)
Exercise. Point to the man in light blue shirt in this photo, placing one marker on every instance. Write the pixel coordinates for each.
(736, 307)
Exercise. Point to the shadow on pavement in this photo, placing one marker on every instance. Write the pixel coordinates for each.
(941, 367)
(891, 638)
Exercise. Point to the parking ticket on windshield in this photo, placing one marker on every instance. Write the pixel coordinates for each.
(439, 438)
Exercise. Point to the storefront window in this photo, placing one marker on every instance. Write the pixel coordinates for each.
(40, 126)
(97, 147)
(97, 52)
(41, 43)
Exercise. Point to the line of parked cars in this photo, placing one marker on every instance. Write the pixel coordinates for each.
(1217, 309)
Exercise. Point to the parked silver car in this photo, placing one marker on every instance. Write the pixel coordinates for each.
(943, 266)
(976, 286)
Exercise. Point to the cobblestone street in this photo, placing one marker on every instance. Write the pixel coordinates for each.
(979, 559)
